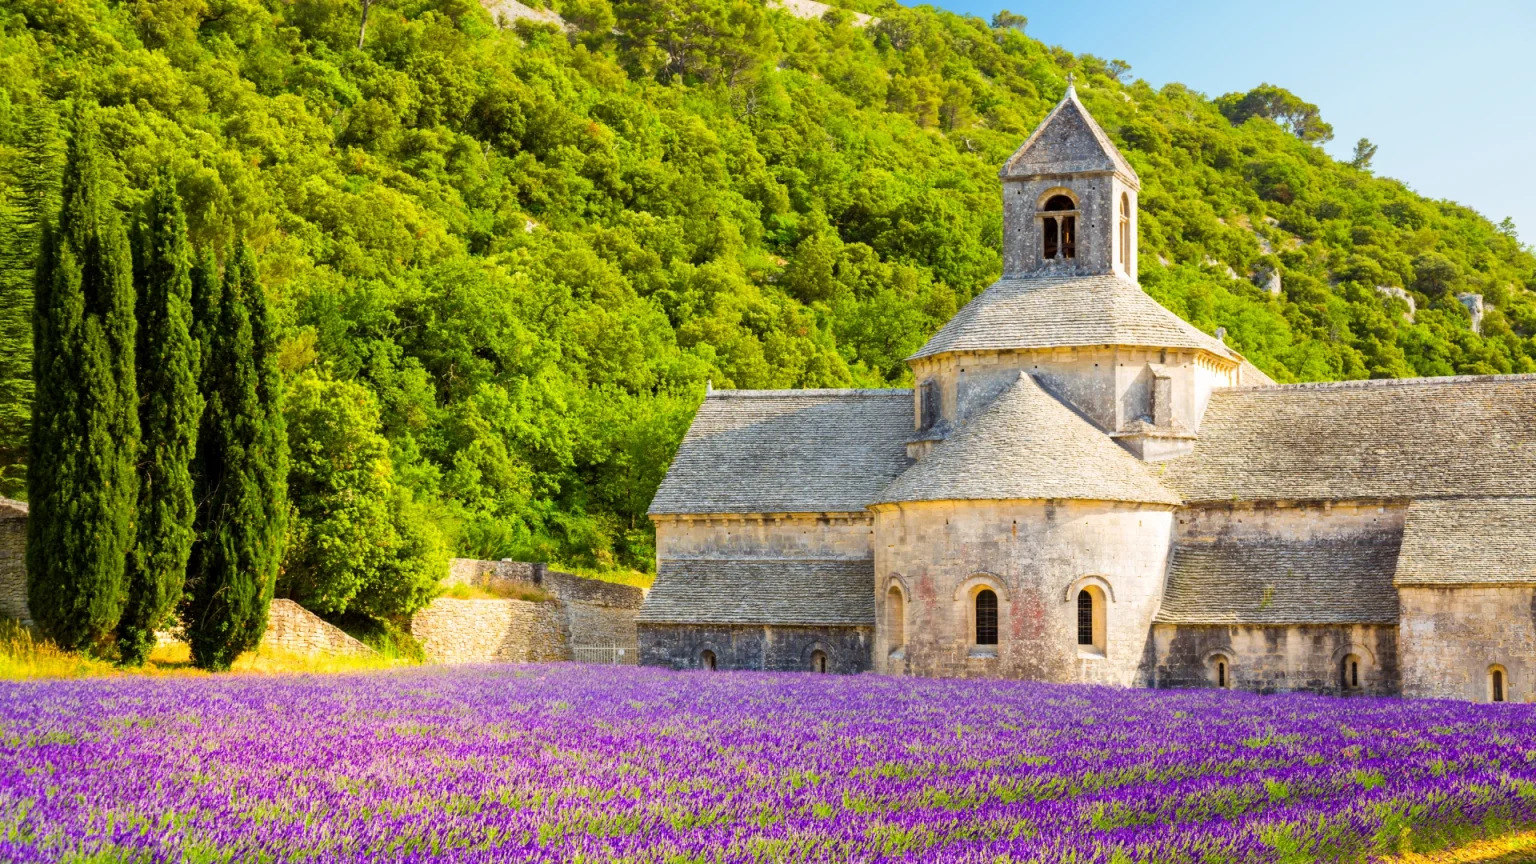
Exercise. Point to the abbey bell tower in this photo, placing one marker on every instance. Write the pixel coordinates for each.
(1069, 200)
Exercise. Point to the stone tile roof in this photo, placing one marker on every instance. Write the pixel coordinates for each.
(1028, 444)
(1063, 311)
(1412, 438)
(1460, 541)
(13, 509)
(788, 451)
(1067, 141)
(1332, 581)
(762, 591)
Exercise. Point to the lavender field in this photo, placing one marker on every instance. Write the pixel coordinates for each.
(572, 763)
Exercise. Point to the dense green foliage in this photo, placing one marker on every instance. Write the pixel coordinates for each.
(532, 249)
(358, 543)
(85, 424)
(170, 409)
(240, 470)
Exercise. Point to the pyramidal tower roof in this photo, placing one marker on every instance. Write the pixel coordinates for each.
(1028, 445)
(1068, 141)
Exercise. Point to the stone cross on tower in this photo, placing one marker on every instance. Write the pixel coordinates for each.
(1069, 199)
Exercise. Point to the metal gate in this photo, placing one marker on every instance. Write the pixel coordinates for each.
(610, 654)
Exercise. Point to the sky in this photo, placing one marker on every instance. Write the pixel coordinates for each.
(1447, 90)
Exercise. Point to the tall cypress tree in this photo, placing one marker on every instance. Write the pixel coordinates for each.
(85, 427)
(169, 411)
(242, 467)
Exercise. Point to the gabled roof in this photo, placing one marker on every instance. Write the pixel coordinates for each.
(1282, 581)
(1067, 141)
(1028, 445)
(762, 591)
(1469, 541)
(1023, 312)
(788, 451)
(1409, 438)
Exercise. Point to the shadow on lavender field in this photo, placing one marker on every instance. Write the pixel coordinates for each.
(565, 762)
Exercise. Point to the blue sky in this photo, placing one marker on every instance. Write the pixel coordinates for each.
(1447, 90)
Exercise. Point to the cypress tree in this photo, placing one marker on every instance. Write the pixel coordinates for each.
(81, 482)
(169, 411)
(242, 468)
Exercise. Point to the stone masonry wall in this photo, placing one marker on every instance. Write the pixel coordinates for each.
(1276, 659)
(592, 612)
(296, 630)
(13, 564)
(1452, 636)
(757, 647)
(488, 631)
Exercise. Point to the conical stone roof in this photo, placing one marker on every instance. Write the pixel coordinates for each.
(1028, 445)
(1068, 141)
(1023, 312)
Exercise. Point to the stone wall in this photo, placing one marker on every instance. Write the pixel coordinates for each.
(488, 631)
(296, 630)
(842, 535)
(591, 612)
(762, 648)
(1035, 556)
(13, 560)
(1452, 636)
(1276, 659)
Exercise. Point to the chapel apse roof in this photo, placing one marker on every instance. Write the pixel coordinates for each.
(1067, 141)
(1406, 438)
(1027, 445)
(1029, 311)
(1469, 541)
(762, 591)
(1282, 581)
(788, 451)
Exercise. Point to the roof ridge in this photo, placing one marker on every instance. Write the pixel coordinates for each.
(851, 392)
(1381, 383)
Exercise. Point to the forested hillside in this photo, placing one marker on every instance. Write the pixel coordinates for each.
(506, 261)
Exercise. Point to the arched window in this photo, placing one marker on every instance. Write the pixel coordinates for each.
(895, 619)
(1498, 684)
(707, 659)
(1221, 671)
(986, 617)
(1125, 232)
(1090, 619)
(1349, 673)
(1058, 228)
(818, 661)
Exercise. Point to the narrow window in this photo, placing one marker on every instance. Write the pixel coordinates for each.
(818, 661)
(986, 617)
(1221, 671)
(895, 618)
(1496, 685)
(1084, 618)
(1050, 239)
(707, 660)
(1125, 233)
(1069, 236)
(1349, 673)
(930, 403)
(1221, 674)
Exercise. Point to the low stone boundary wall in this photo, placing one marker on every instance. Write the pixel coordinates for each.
(296, 630)
(490, 631)
(13, 560)
(584, 613)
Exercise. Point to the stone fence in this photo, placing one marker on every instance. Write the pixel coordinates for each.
(13, 560)
(296, 630)
(580, 613)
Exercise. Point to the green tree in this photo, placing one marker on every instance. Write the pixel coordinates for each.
(1365, 151)
(1296, 116)
(352, 543)
(82, 484)
(241, 471)
(170, 409)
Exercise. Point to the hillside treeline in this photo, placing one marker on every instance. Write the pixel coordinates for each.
(503, 262)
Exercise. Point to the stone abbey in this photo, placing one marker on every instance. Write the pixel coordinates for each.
(1081, 487)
